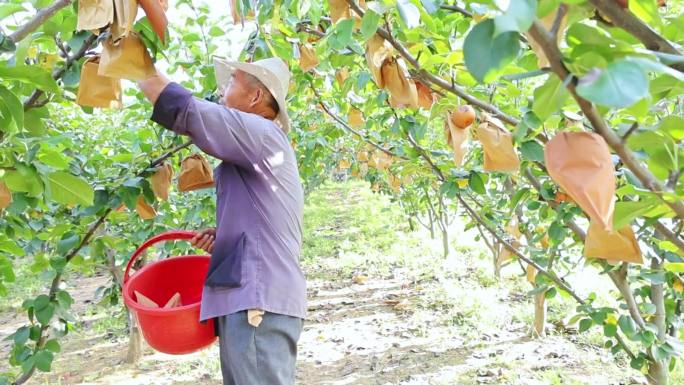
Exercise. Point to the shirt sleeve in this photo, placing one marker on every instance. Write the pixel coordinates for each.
(225, 133)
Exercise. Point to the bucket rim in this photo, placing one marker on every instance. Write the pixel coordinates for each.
(134, 305)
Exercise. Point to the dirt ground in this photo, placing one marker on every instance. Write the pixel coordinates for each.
(372, 332)
(372, 320)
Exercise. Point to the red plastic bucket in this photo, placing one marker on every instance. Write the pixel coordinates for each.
(176, 330)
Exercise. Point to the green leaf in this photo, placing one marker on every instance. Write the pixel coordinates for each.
(585, 324)
(369, 24)
(609, 330)
(68, 189)
(21, 335)
(627, 325)
(673, 125)
(626, 212)
(68, 241)
(24, 179)
(10, 246)
(14, 106)
(43, 360)
(517, 18)
(216, 31)
(53, 346)
(675, 267)
(10, 9)
(476, 183)
(619, 85)
(31, 75)
(45, 314)
(532, 150)
(409, 13)
(341, 35)
(549, 98)
(486, 54)
(646, 10)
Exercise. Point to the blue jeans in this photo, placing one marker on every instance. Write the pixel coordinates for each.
(264, 355)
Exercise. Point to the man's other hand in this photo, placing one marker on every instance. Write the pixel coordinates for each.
(204, 240)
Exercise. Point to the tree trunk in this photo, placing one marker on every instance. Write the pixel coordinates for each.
(432, 224)
(445, 242)
(412, 226)
(134, 340)
(539, 316)
(657, 370)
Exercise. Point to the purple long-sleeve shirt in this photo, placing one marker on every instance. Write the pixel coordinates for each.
(259, 204)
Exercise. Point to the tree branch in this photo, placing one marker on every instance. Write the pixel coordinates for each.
(626, 20)
(553, 53)
(424, 74)
(38, 19)
(32, 101)
(350, 129)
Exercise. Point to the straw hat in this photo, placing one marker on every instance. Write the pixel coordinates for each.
(272, 72)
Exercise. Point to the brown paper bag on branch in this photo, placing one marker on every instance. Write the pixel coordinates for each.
(154, 9)
(457, 139)
(307, 57)
(161, 181)
(378, 50)
(620, 245)
(339, 9)
(94, 14)
(195, 174)
(581, 164)
(5, 195)
(125, 12)
(95, 90)
(497, 144)
(425, 96)
(144, 210)
(355, 118)
(126, 58)
(402, 89)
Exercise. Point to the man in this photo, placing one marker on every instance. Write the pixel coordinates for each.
(254, 288)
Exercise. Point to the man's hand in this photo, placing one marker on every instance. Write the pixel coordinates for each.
(204, 240)
(153, 86)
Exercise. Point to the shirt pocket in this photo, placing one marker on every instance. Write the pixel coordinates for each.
(227, 272)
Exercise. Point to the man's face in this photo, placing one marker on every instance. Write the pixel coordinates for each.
(237, 93)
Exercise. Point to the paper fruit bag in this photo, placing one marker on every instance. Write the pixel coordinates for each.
(94, 14)
(378, 50)
(125, 12)
(581, 164)
(307, 57)
(195, 174)
(95, 90)
(126, 58)
(144, 210)
(402, 89)
(620, 245)
(497, 144)
(161, 181)
(457, 139)
(5, 195)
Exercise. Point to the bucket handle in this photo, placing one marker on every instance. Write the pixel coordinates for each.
(166, 236)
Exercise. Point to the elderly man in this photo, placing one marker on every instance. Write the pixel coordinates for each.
(254, 288)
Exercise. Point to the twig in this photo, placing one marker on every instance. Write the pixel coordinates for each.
(350, 129)
(553, 53)
(453, 88)
(32, 101)
(456, 8)
(630, 23)
(38, 19)
(562, 11)
(629, 132)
